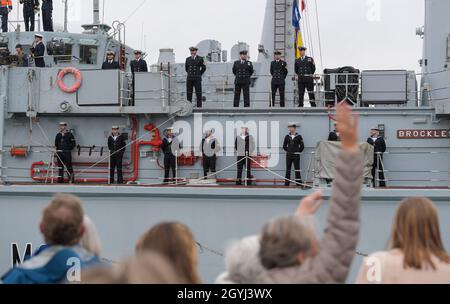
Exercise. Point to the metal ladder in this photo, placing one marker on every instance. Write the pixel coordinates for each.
(280, 9)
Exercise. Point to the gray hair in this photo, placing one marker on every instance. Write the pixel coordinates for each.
(282, 240)
(242, 260)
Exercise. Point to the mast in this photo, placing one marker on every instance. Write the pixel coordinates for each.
(96, 14)
(66, 9)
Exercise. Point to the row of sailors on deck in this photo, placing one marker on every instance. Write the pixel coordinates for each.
(245, 147)
(30, 9)
(243, 70)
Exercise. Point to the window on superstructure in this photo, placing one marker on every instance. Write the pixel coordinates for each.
(88, 54)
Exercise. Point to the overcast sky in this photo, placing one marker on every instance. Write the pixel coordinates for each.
(367, 34)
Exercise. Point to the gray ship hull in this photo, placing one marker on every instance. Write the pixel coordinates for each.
(216, 216)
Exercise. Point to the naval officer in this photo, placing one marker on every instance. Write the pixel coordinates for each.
(243, 70)
(64, 144)
(279, 72)
(38, 51)
(138, 64)
(116, 146)
(293, 145)
(245, 147)
(379, 144)
(30, 7)
(209, 148)
(110, 62)
(170, 147)
(195, 68)
(305, 69)
(47, 15)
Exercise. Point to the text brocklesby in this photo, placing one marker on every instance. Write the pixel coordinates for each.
(240, 294)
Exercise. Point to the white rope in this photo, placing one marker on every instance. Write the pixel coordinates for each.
(129, 144)
(276, 174)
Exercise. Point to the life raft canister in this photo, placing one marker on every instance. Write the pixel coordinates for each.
(78, 80)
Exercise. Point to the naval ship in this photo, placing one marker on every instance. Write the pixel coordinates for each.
(411, 109)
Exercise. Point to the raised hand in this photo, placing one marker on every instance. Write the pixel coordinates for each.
(348, 127)
(310, 204)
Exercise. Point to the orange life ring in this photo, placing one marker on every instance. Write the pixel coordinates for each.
(78, 80)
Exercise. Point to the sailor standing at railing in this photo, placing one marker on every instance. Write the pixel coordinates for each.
(110, 62)
(38, 51)
(209, 148)
(30, 7)
(5, 8)
(171, 149)
(293, 145)
(64, 144)
(195, 68)
(47, 15)
(305, 69)
(379, 144)
(279, 72)
(245, 147)
(243, 70)
(116, 146)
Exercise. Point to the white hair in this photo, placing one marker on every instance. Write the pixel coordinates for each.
(242, 260)
(91, 239)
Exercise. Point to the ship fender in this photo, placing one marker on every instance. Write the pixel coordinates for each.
(78, 80)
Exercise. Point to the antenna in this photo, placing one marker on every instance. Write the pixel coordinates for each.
(96, 20)
(66, 9)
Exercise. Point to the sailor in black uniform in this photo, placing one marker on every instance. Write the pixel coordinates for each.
(209, 148)
(47, 15)
(30, 7)
(245, 147)
(279, 72)
(243, 70)
(64, 144)
(379, 144)
(116, 146)
(305, 69)
(38, 51)
(138, 64)
(5, 8)
(170, 147)
(334, 135)
(195, 68)
(110, 63)
(293, 145)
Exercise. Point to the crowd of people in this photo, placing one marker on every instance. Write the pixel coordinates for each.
(286, 250)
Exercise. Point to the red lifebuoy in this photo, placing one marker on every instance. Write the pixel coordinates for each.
(78, 80)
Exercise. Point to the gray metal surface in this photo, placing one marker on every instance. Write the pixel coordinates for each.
(31, 105)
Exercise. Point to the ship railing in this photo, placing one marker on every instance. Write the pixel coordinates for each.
(383, 174)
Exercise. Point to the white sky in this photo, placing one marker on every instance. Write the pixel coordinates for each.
(350, 33)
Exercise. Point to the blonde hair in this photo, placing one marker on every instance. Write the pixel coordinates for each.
(416, 233)
(91, 239)
(176, 243)
(145, 268)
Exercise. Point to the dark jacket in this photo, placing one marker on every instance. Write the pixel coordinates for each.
(117, 146)
(166, 146)
(66, 142)
(305, 69)
(293, 145)
(279, 71)
(379, 145)
(39, 52)
(195, 68)
(114, 65)
(138, 66)
(248, 144)
(47, 5)
(333, 136)
(34, 4)
(243, 71)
